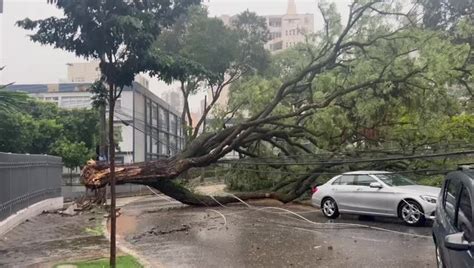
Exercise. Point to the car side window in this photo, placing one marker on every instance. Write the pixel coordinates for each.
(364, 180)
(347, 180)
(450, 197)
(464, 215)
(337, 182)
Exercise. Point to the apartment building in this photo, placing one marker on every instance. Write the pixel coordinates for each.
(286, 30)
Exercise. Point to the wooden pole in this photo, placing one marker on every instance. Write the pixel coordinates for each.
(113, 219)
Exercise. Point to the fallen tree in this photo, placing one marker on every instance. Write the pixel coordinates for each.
(379, 48)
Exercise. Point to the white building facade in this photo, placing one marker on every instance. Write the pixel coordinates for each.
(148, 127)
(286, 30)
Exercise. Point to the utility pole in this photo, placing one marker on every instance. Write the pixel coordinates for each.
(103, 155)
(111, 158)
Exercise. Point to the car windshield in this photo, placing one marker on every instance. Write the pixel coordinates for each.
(395, 180)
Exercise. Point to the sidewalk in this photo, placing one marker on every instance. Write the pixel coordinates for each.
(50, 238)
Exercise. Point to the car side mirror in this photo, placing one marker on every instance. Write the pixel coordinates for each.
(457, 242)
(376, 185)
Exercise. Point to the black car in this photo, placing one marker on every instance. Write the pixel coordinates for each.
(453, 232)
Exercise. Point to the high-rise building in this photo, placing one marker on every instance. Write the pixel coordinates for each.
(285, 30)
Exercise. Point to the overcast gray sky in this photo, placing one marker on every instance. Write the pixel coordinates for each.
(27, 62)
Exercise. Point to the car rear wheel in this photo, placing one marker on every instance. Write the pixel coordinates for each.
(329, 208)
(439, 259)
(411, 213)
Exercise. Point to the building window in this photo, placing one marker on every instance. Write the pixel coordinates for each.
(154, 115)
(173, 124)
(274, 22)
(163, 119)
(154, 146)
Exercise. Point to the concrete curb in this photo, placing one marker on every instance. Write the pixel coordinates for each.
(125, 247)
(34, 210)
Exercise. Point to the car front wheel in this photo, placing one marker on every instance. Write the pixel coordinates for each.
(411, 213)
(329, 208)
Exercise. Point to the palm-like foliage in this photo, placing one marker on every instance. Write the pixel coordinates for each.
(10, 100)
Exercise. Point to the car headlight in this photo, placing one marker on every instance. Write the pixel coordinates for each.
(429, 199)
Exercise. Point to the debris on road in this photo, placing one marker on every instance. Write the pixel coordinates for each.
(72, 210)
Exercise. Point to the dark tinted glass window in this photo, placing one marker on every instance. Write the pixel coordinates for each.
(364, 180)
(346, 180)
(392, 179)
(464, 219)
(450, 196)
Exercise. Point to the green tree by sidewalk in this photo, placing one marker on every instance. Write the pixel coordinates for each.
(74, 154)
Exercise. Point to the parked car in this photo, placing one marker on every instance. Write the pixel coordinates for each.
(376, 193)
(453, 232)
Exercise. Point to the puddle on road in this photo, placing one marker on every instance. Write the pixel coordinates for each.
(125, 225)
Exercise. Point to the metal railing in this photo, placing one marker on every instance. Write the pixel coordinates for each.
(26, 180)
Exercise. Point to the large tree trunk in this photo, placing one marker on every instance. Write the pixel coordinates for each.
(160, 174)
(187, 197)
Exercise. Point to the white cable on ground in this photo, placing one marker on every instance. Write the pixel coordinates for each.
(299, 217)
(336, 224)
(162, 197)
(213, 198)
(222, 215)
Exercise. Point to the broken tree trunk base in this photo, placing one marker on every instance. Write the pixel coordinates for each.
(97, 174)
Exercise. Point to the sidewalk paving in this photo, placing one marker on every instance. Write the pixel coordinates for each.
(51, 238)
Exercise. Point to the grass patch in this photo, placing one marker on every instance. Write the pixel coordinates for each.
(97, 231)
(122, 262)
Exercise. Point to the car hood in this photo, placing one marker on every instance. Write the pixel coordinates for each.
(419, 189)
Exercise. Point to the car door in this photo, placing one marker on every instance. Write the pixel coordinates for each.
(463, 223)
(446, 214)
(373, 200)
(343, 190)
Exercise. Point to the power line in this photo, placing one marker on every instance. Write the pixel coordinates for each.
(439, 171)
(254, 161)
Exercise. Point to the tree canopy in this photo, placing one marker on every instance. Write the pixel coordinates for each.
(211, 55)
(351, 86)
(42, 128)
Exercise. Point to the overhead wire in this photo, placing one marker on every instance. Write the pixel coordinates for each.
(254, 161)
(333, 173)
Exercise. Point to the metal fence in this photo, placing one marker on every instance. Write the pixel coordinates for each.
(26, 180)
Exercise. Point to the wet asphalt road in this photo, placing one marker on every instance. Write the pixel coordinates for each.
(243, 237)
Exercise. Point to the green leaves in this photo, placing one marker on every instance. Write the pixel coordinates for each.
(118, 33)
(10, 101)
(41, 128)
(74, 154)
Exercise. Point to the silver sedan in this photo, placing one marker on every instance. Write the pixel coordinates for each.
(376, 193)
